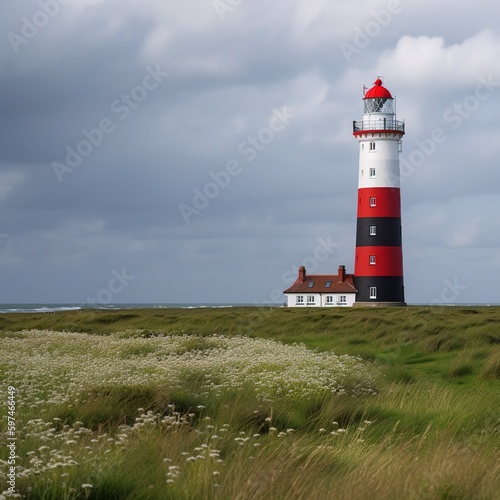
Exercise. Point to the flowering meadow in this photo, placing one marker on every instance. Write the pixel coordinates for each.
(151, 413)
(60, 373)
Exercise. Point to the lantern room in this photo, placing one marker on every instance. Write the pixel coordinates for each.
(378, 99)
(379, 112)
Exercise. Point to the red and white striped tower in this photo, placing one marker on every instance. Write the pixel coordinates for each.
(378, 268)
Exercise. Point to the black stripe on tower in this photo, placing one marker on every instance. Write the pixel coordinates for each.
(389, 288)
(378, 231)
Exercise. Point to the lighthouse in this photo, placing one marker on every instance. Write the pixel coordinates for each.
(378, 266)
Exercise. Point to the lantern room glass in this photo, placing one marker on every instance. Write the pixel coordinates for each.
(379, 105)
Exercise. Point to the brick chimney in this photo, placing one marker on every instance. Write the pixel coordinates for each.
(341, 274)
(302, 274)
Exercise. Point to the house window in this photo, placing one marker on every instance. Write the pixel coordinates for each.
(372, 146)
(329, 300)
(328, 284)
(299, 300)
(372, 173)
(373, 201)
(342, 300)
(310, 284)
(373, 230)
(373, 292)
(310, 299)
(373, 260)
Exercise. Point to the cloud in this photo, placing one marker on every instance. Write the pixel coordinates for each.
(426, 62)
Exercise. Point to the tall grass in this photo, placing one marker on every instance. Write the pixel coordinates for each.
(179, 405)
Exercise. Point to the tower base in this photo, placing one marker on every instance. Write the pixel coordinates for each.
(379, 304)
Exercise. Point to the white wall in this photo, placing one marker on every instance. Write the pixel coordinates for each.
(320, 299)
(385, 159)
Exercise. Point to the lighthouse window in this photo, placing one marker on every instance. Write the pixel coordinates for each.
(300, 299)
(372, 146)
(372, 173)
(373, 230)
(373, 292)
(373, 201)
(373, 260)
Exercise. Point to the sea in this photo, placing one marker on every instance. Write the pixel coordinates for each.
(52, 308)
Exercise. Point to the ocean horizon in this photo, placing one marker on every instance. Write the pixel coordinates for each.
(61, 307)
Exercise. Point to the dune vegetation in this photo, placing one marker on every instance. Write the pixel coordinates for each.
(252, 403)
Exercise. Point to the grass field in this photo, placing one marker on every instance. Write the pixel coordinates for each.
(253, 403)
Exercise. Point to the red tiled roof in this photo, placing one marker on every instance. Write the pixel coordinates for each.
(319, 284)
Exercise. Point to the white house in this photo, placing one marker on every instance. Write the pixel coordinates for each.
(322, 290)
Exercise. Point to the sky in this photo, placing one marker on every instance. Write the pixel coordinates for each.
(201, 151)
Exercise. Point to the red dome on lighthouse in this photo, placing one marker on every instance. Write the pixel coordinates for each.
(377, 91)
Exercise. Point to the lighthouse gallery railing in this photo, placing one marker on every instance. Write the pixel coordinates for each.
(379, 125)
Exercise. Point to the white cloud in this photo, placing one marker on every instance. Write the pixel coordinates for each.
(426, 63)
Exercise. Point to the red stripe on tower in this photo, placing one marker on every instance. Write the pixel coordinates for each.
(378, 271)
